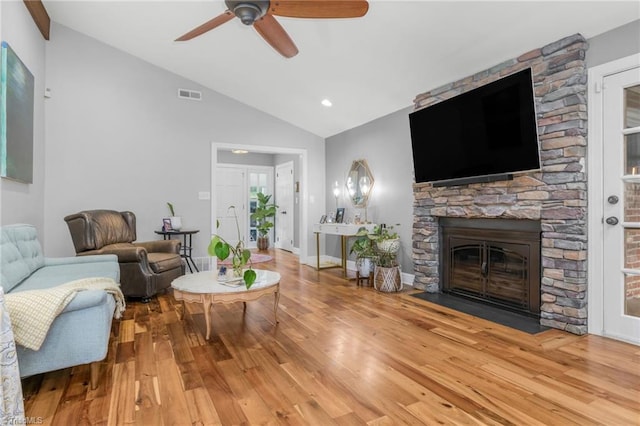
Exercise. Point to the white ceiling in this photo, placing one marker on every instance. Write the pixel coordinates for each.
(368, 67)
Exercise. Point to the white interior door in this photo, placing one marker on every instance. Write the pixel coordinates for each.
(231, 190)
(621, 190)
(284, 200)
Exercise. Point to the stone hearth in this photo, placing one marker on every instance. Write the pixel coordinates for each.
(557, 195)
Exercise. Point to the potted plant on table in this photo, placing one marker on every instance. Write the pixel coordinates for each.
(176, 221)
(264, 211)
(240, 256)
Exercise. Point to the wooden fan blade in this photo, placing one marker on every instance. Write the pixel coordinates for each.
(276, 36)
(319, 8)
(208, 26)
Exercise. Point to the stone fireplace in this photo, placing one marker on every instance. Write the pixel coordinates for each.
(556, 196)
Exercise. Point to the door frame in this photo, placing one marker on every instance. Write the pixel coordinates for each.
(595, 197)
(245, 220)
(304, 178)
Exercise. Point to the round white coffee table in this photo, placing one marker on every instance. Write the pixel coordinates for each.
(204, 287)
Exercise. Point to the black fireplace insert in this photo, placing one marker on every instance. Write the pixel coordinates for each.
(496, 261)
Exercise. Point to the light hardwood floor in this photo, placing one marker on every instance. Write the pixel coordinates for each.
(341, 354)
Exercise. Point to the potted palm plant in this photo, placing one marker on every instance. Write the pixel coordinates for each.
(264, 211)
(240, 256)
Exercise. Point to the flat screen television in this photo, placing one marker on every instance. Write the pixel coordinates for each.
(481, 135)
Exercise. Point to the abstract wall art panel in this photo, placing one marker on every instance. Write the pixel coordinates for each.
(16, 117)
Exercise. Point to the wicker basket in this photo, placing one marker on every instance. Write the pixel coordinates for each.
(387, 279)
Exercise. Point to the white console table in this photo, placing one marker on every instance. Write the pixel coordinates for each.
(344, 231)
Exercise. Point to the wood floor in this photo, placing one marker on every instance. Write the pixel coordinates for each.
(341, 354)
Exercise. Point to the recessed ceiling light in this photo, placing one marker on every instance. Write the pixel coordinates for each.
(326, 102)
(239, 151)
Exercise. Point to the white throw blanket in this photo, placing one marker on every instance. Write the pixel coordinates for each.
(33, 311)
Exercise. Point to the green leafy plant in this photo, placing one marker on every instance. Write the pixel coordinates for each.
(240, 256)
(370, 245)
(363, 246)
(173, 213)
(264, 211)
(386, 257)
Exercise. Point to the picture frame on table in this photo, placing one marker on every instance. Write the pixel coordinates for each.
(323, 219)
(339, 214)
(166, 224)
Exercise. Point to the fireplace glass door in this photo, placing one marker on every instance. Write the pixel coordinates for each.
(466, 260)
(492, 271)
(507, 274)
(494, 261)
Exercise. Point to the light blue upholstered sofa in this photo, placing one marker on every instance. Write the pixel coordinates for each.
(80, 334)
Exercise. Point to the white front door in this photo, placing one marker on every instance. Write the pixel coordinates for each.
(284, 200)
(621, 205)
(231, 191)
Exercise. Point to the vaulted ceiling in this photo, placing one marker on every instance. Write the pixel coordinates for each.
(368, 67)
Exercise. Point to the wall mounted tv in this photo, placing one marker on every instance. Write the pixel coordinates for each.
(482, 135)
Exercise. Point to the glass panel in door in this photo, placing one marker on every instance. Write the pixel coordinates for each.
(632, 202)
(507, 276)
(621, 221)
(258, 183)
(466, 263)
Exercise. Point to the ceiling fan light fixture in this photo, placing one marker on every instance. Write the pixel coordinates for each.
(248, 11)
(326, 102)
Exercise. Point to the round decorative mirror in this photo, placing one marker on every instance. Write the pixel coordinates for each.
(359, 183)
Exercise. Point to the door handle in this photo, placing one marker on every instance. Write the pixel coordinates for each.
(611, 220)
(613, 199)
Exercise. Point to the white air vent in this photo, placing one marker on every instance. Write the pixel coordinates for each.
(194, 95)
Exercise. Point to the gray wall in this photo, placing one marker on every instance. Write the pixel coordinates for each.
(21, 202)
(615, 44)
(386, 145)
(119, 138)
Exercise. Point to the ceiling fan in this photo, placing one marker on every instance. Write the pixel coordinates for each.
(260, 14)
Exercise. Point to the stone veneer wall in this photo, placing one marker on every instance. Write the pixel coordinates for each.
(557, 195)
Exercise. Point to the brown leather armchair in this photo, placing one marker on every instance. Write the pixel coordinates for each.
(145, 268)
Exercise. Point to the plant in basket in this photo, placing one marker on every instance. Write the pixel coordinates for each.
(387, 272)
(240, 256)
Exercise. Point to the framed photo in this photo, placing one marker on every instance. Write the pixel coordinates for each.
(166, 224)
(323, 219)
(339, 214)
